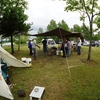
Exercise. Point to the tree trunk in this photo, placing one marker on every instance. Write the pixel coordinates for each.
(89, 51)
(19, 43)
(12, 47)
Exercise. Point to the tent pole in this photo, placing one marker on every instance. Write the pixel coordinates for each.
(66, 57)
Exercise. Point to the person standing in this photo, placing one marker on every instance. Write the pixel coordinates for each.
(79, 46)
(64, 47)
(44, 45)
(34, 48)
(69, 45)
(30, 47)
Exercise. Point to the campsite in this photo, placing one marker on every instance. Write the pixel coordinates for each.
(51, 72)
(27, 73)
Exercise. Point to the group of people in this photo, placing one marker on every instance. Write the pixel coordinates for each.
(66, 47)
(32, 47)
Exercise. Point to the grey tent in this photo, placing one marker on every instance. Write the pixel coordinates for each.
(60, 33)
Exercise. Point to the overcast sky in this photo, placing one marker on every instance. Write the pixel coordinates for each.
(41, 12)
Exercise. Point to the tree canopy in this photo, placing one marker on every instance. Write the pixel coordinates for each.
(12, 19)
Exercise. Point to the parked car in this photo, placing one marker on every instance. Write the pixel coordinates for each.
(50, 43)
(95, 43)
(7, 44)
(74, 42)
(86, 43)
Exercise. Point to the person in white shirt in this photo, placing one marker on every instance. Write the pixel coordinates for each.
(79, 46)
(34, 44)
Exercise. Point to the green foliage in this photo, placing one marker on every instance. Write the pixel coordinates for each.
(50, 27)
(23, 39)
(3, 5)
(54, 25)
(73, 5)
(40, 30)
(87, 7)
(97, 21)
(63, 25)
(96, 37)
(77, 28)
(12, 20)
(85, 32)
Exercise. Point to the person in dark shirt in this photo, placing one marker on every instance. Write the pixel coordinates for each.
(44, 45)
(64, 47)
(30, 47)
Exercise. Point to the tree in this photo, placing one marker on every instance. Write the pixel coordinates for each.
(52, 26)
(63, 25)
(90, 8)
(40, 30)
(82, 29)
(23, 31)
(12, 21)
(77, 28)
(85, 32)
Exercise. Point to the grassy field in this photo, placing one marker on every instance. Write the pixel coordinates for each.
(64, 79)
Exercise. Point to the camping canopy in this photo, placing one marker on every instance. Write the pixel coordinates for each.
(60, 33)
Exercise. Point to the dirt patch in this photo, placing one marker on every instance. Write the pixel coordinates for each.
(91, 63)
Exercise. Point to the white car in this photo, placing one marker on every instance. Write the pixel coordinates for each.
(50, 43)
(86, 43)
(7, 44)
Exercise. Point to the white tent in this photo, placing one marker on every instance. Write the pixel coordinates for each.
(11, 60)
(4, 89)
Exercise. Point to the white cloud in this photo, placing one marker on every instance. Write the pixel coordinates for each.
(41, 12)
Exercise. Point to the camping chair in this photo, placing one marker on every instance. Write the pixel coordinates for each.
(4, 67)
(5, 76)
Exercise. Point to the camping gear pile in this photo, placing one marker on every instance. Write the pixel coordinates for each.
(27, 61)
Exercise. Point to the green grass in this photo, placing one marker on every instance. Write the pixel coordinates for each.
(51, 72)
